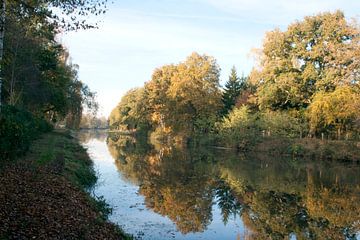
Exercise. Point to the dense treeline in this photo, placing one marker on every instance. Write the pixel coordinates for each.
(38, 75)
(39, 83)
(89, 121)
(306, 83)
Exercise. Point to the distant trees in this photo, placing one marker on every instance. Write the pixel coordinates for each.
(89, 121)
(130, 113)
(192, 95)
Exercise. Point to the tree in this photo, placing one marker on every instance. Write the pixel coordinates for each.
(161, 106)
(182, 99)
(232, 90)
(336, 110)
(189, 96)
(316, 54)
(130, 113)
(38, 74)
(56, 15)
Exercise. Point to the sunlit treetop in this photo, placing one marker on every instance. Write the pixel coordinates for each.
(65, 15)
(316, 54)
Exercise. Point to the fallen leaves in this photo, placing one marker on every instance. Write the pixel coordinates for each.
(40, 203)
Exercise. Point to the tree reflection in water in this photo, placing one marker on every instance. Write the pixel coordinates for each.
(275, 198)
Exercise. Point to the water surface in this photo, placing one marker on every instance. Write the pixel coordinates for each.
(166, 192)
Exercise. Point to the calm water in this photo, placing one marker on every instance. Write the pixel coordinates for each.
(164, 192)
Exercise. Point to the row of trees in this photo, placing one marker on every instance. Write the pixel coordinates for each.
(184, 98)
(37, 72)
(89, 121)
(306, 82)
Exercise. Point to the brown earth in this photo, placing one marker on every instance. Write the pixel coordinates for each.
(37, 201)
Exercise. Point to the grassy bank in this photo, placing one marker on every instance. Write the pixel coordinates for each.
(339, 150)
(43, 195)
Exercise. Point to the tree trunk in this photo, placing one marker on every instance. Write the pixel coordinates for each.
(2, 33)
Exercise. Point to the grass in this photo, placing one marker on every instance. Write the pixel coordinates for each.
(58, 156)
(311, 148)
(57, 149)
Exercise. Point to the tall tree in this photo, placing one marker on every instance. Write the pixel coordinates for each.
(59, 14)
(38, 75)
(316, 54)
(232, 90)
(190, 94)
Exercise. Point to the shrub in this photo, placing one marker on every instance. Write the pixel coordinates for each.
(239, 127)
(17, 129)
(277, 123)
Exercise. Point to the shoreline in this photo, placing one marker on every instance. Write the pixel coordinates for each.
(45, 194)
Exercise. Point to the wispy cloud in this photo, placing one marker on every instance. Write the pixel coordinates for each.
(281, 11)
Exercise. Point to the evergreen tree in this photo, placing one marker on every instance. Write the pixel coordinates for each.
(232, 90)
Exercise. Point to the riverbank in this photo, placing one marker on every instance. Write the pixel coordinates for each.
(312, 148)
(43, 194)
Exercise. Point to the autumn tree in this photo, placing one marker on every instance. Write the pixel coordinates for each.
(338, 110)
(190, 95)
(161, 106)
(130, 113)
(317, 54)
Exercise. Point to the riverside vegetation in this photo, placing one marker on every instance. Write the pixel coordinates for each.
(45, 176)
(305, 85)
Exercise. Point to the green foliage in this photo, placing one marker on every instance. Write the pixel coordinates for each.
(63, 14)
(313, 55)
(130, 113)
(282, 124)
(102, 206)
(239, 127)
(336, 110)
(78, 167)
(233, 88)
(38, 75)
(296, 150)
(243, 127)
(17, 129)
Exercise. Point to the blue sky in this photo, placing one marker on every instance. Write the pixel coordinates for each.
(136, 36)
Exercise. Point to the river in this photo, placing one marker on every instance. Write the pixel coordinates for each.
(159, 191)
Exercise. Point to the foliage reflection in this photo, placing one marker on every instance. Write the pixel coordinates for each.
(275, 198)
